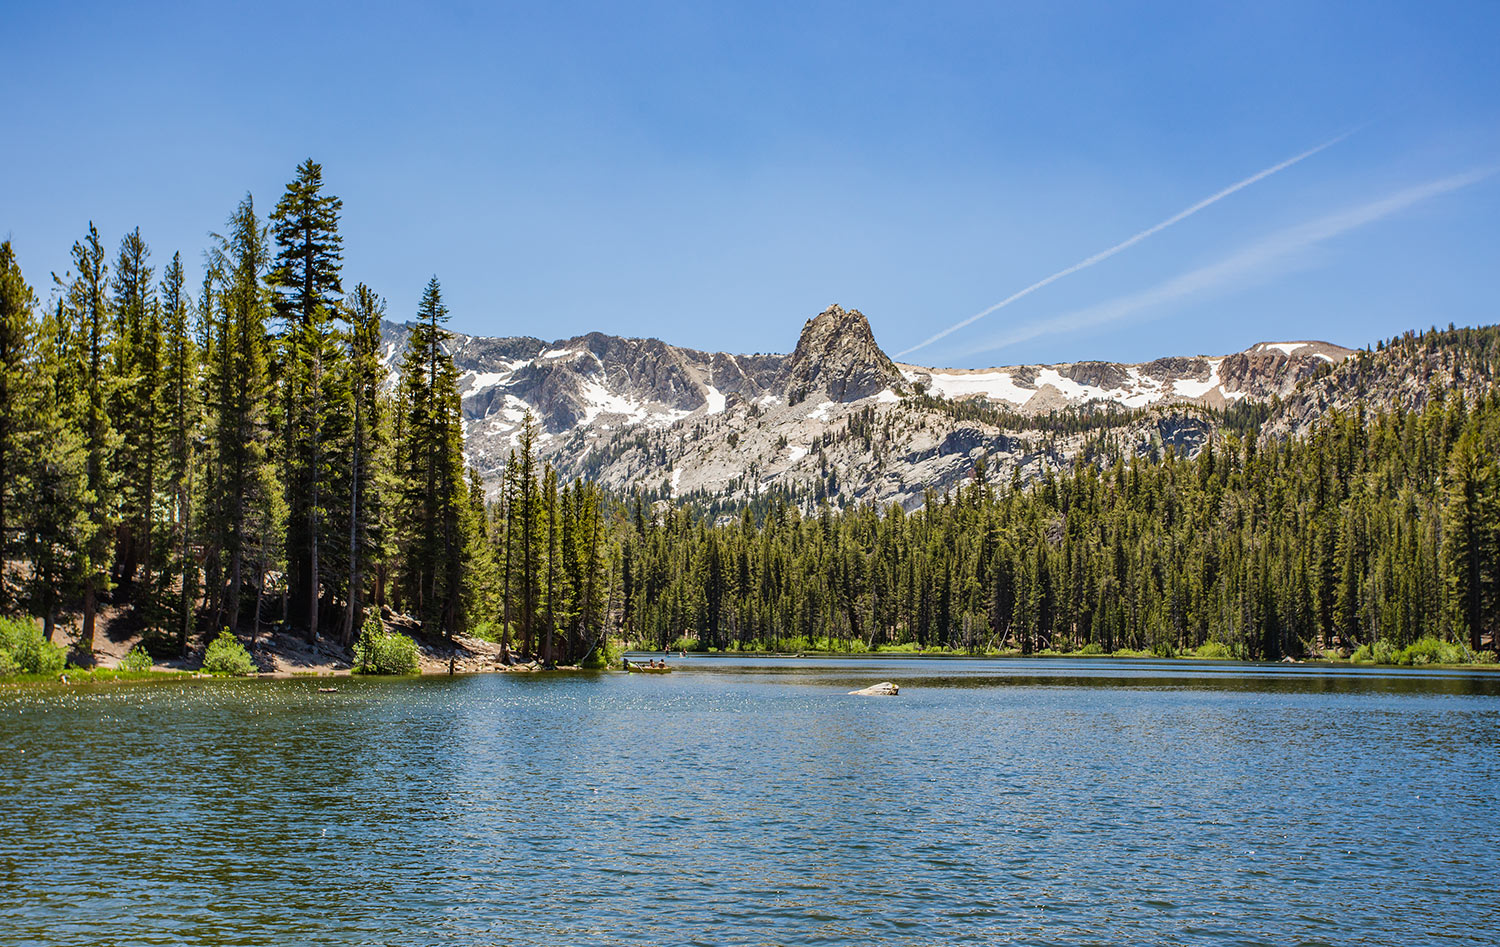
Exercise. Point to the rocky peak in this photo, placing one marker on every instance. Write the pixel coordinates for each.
(837, 354)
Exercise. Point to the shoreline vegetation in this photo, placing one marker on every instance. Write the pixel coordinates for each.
(1426, 652)
(235, 482)
(412, 659)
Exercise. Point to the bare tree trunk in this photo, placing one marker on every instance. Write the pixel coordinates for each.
(505, 571)
(351, 612)
(260, 598)
(314, 585)
(232, 605)
(313, 588)
(184, 600)
(90, 606)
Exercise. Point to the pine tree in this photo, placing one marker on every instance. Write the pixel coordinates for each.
(366, 310)
(307, 287)
(431, 464)
(59, 529)
(239, 510)
(526, 534)
(1469, 508)
(134, 399)
(17, 344)
(181, 425)
(480, 577)
(88, 308)
(552, 592)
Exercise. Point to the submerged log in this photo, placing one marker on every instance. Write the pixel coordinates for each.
(883, 689)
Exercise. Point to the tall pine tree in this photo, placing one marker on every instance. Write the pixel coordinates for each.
(430, 455)
(239, 510)
(366, 509)
(307, 287)
(181, 424)
(17, 342)
(59, 529)
(85, 295)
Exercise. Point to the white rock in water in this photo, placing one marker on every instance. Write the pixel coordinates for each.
(883, 689)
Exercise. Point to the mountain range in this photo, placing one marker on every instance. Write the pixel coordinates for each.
(836, 419)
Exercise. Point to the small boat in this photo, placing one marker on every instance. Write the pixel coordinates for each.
(644, 669)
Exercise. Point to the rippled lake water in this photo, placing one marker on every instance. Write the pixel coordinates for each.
(753, 802)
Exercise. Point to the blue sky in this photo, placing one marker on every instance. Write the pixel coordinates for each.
(714, 173)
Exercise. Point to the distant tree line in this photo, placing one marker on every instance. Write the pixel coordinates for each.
(1381, 528)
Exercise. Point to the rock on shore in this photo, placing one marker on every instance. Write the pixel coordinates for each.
(883, 689)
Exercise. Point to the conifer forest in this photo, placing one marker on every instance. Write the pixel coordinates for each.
(238, 454)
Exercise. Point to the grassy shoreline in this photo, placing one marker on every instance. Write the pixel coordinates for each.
(1424, 653)
(74, 676)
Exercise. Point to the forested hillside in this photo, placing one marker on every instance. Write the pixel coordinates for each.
(235, 457)
(1375, 528)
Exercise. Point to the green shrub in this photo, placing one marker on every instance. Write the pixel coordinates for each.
(1383, 652)
(1430, 650)
(484, 631)
(1425, 650)
(606, 654)
(225, 655)
(686, 644)
(1213, 651)
(26, 650)
(1093, 647)
(137, 660)
(384, 652)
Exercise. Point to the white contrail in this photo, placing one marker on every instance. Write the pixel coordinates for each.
(1282, 247)
(1106, 254)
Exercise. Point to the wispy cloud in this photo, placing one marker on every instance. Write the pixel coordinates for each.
(1103, 255)
(1240, 267)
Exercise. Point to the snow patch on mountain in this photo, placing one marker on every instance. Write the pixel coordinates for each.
(1285, 348)
(716, 400)
(1190, 388)
(993, 384)
(599, 400)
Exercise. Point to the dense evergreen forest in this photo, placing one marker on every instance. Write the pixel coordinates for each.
(1374, 529)
(236, 458)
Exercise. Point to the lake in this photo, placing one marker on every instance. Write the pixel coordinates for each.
(750, 801)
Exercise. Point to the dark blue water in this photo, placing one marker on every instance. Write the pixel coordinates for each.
(752, 802)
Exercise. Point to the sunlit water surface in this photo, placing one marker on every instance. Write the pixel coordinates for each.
(753, 802)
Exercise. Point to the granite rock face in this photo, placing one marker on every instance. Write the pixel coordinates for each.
(837, 419)
(837, 355)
